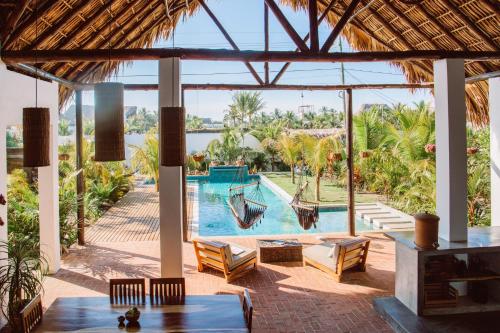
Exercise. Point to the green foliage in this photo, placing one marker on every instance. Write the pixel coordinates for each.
(146, 159)
(141, 122)
(13, 141)
(193, 122)
(245, 106)
(21, 274)
(64, 128)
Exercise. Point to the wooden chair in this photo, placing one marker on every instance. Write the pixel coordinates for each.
(336, 257)
(167, 290)
(31, 315)
(220, 256)
(127, 291)
(247, 309)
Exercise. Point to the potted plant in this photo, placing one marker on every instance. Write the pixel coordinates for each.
(21, 276)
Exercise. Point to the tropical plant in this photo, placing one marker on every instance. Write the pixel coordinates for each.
(21, 275)
(369, 131)
(227, 149)
(290, 152)
(64, 128)
(142, 121)
(245, 105)
(193, 122)
(146, 158)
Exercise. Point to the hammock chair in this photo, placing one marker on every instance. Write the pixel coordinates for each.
(246, 201)
(307, 211)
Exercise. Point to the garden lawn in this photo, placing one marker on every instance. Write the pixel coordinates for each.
(330, 193)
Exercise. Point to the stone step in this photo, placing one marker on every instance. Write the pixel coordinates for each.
(363, 212)
(380, 222)
(387, 215)
(396, 226)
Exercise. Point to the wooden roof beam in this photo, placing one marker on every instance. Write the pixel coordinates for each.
(229, 39)
(313, 25)
(103, 55)
(469, 24)
(322, 17)
(340, 25)
(287, 26)
(266, 41)
(13, 19)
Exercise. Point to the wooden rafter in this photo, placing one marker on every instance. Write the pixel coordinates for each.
(123, 13)
(402, 16)
(103, 55)
(266, 41)
(286, 65)
(14, 18)
(69, 38)
(313, 25)
(229, 39)
(56, 27)
(36, 14)
(340, 25)
(471, 26)
(287, 26)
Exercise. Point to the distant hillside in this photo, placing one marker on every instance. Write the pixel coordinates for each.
(88, 113)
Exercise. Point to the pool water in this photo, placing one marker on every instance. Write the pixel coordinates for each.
(216, 219)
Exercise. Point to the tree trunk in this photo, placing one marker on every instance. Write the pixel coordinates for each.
(292, 171)
(318, 180)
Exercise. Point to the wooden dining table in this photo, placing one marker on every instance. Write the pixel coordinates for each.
(213, 313)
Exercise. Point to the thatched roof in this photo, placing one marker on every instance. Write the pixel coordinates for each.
(383, 26)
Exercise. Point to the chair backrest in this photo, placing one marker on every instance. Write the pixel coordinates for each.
(167, 290)
(127, 291)
(212, 253)
(31, 315)
(247, 309)
(352, 253)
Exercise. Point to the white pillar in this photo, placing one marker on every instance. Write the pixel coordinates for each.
(494, 106)
(48, 188)
(169, 94)
(451, 146)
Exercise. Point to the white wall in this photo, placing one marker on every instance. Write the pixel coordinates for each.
(494, 104)
(16, 92)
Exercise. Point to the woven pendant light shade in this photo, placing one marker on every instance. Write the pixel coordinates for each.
(36, 137)
(109, 122)
(172, 136)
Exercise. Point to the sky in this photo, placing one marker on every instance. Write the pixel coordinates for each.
(244, 22)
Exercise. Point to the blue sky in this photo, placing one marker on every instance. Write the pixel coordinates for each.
(244, 22)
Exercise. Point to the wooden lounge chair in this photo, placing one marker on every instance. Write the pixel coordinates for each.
(127, 291)
(31, 315)
(247, 309)
(167, 290)
(336, 257)
(233, 260)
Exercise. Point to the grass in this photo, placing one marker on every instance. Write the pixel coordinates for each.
(330, 193)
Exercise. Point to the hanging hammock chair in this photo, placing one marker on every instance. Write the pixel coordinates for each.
(246, 201)
(307, 211)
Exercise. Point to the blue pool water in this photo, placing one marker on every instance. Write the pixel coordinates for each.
(216, 219)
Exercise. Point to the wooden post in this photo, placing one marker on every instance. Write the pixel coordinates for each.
(350, 166)
(266, 40)
(313, 25)
(80, 180)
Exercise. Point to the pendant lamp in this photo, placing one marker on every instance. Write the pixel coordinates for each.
(172, 136)
(109, 122)
(36, 137)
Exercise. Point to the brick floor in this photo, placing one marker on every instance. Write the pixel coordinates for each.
(287, 297)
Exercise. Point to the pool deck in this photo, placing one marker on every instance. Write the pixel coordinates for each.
(287, 297)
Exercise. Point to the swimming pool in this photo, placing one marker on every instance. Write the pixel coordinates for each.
(214, 217)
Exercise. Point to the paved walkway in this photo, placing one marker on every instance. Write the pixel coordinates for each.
(287, 297)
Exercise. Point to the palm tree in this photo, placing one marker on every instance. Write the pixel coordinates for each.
(268, 136)
(316, 155)
(227, 149)
(247, 104)
(290, 152)
(146, 158)
(290, 119)
(369, 132)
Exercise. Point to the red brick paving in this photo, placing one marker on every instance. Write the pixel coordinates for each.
(287, 297)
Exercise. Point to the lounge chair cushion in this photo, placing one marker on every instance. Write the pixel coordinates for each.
(321, 254)
(243, 257)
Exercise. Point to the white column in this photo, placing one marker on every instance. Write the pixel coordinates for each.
(169, 94)
(48, 187)
(451, 146)
(494, 106)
